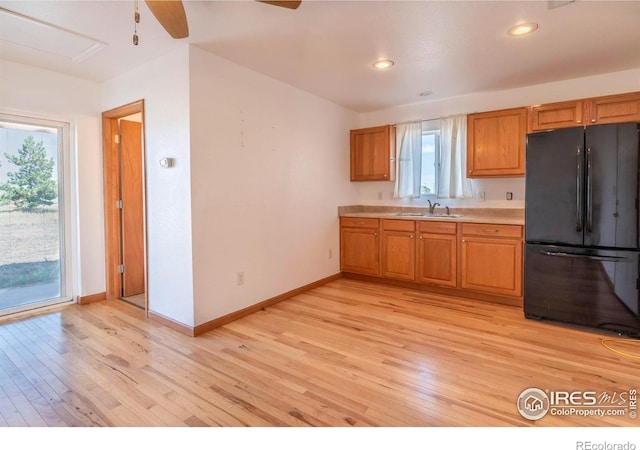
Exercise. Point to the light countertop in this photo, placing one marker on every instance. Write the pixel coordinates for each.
(468, 215)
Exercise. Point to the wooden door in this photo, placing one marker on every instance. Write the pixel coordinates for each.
(372, 154)
(615, 108)
(360, 250)
(496, 143)
(133, 282)
(556, 115)
(399, 255)
(492, 265)
(437, 259)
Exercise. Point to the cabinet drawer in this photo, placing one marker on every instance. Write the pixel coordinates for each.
(437, 227)
(398, 225)
(357, 222)
(491, 229)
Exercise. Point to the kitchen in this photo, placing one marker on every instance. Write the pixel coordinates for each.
(421, 247)
(210, 232)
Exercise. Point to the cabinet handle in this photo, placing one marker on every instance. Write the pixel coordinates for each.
(375, 234)
(385, 175)
(421, 237)
(411, 236)
(593, 120)
(490, 230)
(578, 121)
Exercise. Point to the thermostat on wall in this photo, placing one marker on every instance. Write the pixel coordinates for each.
(166, 162)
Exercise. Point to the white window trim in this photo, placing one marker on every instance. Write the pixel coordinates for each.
(66, 206)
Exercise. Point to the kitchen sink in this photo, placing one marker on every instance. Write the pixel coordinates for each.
(443, 215)
(411, 214)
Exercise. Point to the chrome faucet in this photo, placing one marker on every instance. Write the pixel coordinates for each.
(432, 207)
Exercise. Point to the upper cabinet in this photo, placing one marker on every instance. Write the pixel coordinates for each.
(496, 143)
(496, 140)
(555, 115)
(373, 154)
(614, 108)
(591, 111)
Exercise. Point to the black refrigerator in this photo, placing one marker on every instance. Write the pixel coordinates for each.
(581, 227)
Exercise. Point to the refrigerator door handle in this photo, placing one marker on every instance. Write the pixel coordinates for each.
(578, 189)
(591, 257)
(589, 192)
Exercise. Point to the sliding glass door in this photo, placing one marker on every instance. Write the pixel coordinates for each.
(34, 239)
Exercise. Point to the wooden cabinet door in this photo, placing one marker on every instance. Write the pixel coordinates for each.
(437, 259)
(614, 108)
(556, 115)
(492, 265)
(372, 154)
(496, 143)
(399, 255)
(360, 250)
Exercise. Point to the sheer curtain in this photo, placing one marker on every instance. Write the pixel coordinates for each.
(452, 172)
(409, 160)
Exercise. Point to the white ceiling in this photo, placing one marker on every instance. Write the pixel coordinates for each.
(326, 47)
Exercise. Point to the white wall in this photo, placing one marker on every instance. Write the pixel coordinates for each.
(40, 93)
(164, 86)
(269, 167)
(495, 189)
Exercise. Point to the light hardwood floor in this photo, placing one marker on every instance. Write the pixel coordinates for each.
(136, 300)
(349, 353)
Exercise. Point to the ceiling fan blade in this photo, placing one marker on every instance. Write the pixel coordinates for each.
(171, 16)
(291, 4)
(558, 3)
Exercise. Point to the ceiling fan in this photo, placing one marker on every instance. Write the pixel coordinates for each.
(171, 15)
(558, 3)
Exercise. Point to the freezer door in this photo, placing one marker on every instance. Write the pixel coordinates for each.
(594, 288)
(554, 192)
(611, 186)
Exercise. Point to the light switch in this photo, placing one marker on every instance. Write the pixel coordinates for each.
(166, 162)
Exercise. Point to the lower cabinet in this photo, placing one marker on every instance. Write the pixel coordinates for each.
(437, 244)
(482, 258)
(360, 245)
(492, 258)
(399, 249)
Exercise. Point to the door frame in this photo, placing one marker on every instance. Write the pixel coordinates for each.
(112, 231)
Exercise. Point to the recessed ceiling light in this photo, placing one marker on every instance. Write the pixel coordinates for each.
(425, 93)
(383, 64)
(524, 28)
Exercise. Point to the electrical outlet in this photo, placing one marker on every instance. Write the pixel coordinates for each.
(509, 195)
(481, 196)
(240, 279)
(330, 253)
